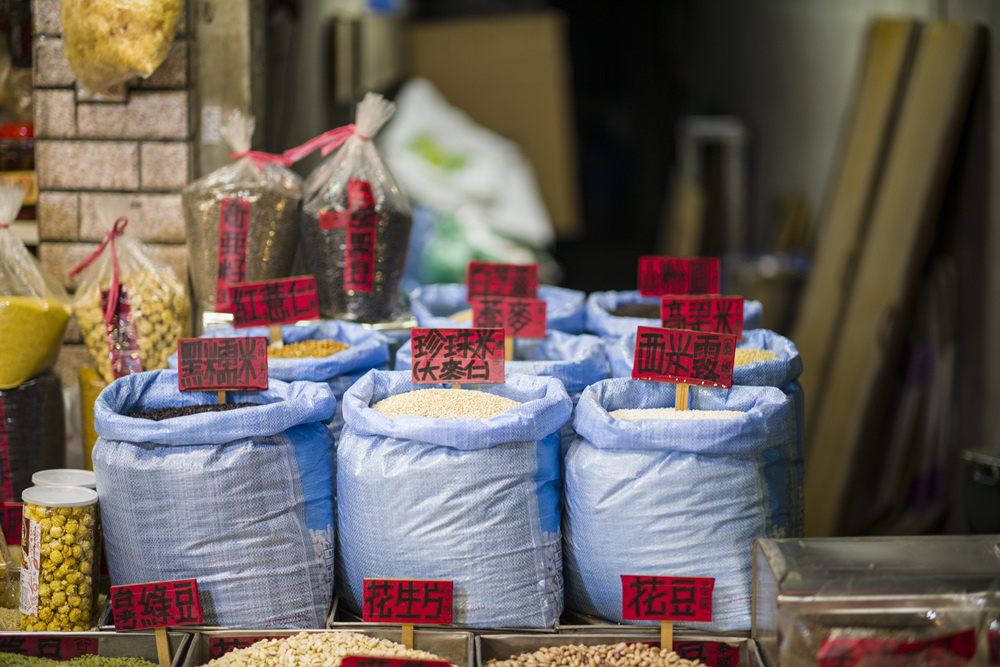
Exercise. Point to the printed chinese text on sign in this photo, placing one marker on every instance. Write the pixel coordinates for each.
(156, 605)
(519, 318)
(274, 302)
(678, 275)
(407, 601)
(679, 355)
(679, 599)
(715, 314)
(210, 364)
(234, 221)
(457, 355)
(489, 279)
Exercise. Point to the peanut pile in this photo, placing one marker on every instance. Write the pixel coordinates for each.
(602, 655)
(310, 649)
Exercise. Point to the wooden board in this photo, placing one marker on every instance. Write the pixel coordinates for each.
(904, 214)
(887, 57)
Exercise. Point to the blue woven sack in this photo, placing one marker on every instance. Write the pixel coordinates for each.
(600, 321)
(240, 500)
(672, 497)
(368, 349)
(432, 306)
(470, 500)
(782, 373)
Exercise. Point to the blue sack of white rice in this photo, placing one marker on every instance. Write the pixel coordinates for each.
(600, 320)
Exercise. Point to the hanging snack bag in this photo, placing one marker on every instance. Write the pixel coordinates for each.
(108, 42)
(130, 306)
(355, 220)
(34, 307)
(615, 314)
(241, 220)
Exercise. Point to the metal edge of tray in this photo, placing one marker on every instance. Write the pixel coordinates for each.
(138, 644)
(455, 646)
(503, 646)
(353, 622)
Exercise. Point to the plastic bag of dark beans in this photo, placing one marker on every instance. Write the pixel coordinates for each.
(355, 221)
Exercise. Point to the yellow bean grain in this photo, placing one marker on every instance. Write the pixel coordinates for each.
(306, 348)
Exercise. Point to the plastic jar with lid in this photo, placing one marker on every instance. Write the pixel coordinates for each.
(58, 558)
(65, 477)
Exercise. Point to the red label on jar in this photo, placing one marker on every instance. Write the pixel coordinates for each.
(219, 646)
(519, 318)
(359, 250)
(457, 355)
(53, 648)
(647, 598)
(6, 484)
(12, 522)
(407, 601)
(214, 364)
(333, 219)
(713, 654)
(678, 275)
(681, 356)
(490, 279)
(123, 342)
(715, 314)
(156, 605)
(274, 302)
(951, 650)
(234, 221)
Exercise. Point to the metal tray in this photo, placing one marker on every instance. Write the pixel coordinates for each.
(141, 644)
(455, 647)
(503, 646)
(342, 619)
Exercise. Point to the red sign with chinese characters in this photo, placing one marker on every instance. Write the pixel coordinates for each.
(489, 279)
(519, 318)
(374, 661)
(211, 364)
(219, 646)
(679, 275)
(272, 302)
(715, 314)
(6, 483)
(682, 356)
(123, 343)
(13, 514)
(713, 654)
(234, 221)
(53, 648)
(158, 604)
(457, 355)
(359, 250)
(407, 601)
(648, 598)
(333, 219)
(951, 650)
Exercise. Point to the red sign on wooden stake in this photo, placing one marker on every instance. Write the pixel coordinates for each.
(359, 251)
(489, 279)
(951, 650)
(374, 661)
(457, 355)
(682, 356)
(715, 314)
(211, 364)
(53, 648)
(682, 599)
(156, 605)
(234, 221)
(407, 601)
(679, 275)
(519, 318)
(273, 302)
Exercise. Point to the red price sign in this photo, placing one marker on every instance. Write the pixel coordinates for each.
(210, 364)
(715, 314)
(6, 483)
(489, 279)
(667, 598)
(219, 646)
(457, 355)
(993, 640)
(952, 650)
(679, 275)
(333, 219)
(359, 250)
(519, 318)
(156, 605)
(53, 648)
(234, 221)
(12, 516)
(407, 601)
(372, 661)
(273, 302)
(713, 654)
(679, 355)
(123, 343)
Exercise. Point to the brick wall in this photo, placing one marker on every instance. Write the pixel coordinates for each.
(137, 149)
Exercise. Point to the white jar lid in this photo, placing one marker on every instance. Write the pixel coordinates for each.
(59, 496)
(65, 477)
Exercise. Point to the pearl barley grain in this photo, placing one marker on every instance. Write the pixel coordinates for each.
(444, 403)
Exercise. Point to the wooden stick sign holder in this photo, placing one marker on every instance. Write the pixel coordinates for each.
(274, 335)
(162, 647)
(681, 397)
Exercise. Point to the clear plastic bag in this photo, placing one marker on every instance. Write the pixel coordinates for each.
(34, 307)
(355, 220)
(108, 42)
(272, 193)
(130, 306)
